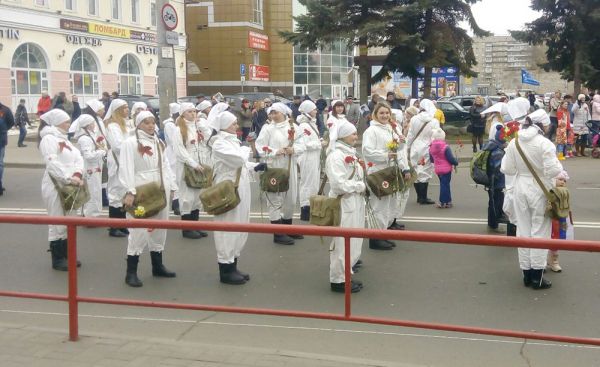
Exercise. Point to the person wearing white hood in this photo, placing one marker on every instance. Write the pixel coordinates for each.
(309, 160)
(231, 159)
(346, 178)
(528, 199)
(94, 108)
(418, 141)
(186, 146)
(379, 154)
(277, 144)
(116, 133)
(136, 108)
(142, 161)
(93, 151)
(169, 130)
(63, 164)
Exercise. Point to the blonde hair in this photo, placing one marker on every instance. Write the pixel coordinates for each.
(183, 128)
(118, 118)
(379, 106)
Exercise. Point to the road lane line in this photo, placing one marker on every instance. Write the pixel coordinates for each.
(307, 328)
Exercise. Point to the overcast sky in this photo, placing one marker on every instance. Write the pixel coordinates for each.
(499, 16)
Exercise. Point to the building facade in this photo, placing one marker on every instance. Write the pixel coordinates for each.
(234, 46)
(82, 47)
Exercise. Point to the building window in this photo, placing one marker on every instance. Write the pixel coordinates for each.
(41, 3)
(116, 9)
(257, 12)
(84, 74)
(153, 13)
(255, 57)
(130, 76)
(93, 7)
(29, 72)
(71, 5)
(135, 11)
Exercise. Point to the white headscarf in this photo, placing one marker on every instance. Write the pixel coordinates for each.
(142, 116)
(399, 115)
(225, 119)
(518, 107)
(55, 117)
(412, 102)
(428, 106)
(212, 119)
(114, 105)
(83, 121)
(173, 108)
(339, 131)
(138, 105)
(95, 105)
(203, 106)
(307, 106)
(186, 106)
(280, 107)
(540, 117)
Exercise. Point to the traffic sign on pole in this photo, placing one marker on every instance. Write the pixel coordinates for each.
(242, 69)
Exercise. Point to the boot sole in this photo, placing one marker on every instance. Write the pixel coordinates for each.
(233, 283)
(381, 248)
(158, 275)
(134, 285)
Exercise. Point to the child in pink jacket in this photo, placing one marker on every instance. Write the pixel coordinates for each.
(443, 161)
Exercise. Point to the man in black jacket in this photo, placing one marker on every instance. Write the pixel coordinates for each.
(7, 121)
(22, 120)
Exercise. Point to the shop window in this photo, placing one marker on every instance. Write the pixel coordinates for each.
(93, 7)
(29, 70)
(130, 76)
(153, 13)
(116, 9)
(71, 5)
(84, 74)
(135, 11)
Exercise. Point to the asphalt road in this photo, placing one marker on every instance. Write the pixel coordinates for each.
(467, 285)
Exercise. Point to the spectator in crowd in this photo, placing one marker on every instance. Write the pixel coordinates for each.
(553, 106)
(321, 104)
(7, 121)
(443, 161)
(374, 99)
(294, 106)
(531, 98)
(497, 180)
(245, 118)
(200, 98)
(61, 102)
(477, 125)
(439, 114)
(22, 121)
(105, 100)
(76, 107)
(260, 116)
(581, 115)
(392, 101)
(114, 95)
(44, 103)
(352, 111)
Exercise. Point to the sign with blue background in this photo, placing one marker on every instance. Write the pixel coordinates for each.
(527, 78)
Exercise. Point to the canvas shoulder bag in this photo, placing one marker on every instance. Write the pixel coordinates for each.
(325, 210)
(557, 199)
(277, 180)
(150, 198)
(72, 197)
(222, 197)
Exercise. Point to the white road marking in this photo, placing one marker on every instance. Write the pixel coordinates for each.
(334, 330)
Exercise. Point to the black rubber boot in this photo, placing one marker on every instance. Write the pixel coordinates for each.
(396, 226)
(355, 287)
(527, 278)
(538, 281)
(425, 200)
(294, 236)
(66, 252)
(195, 217)
(380, 245)
(282, 239)
(123, 215)
(193, 235)
(418, 191)
(131, 278)
(175, 207)
(158, 269)
(305, 213)
(245, 275)
(115, 213)
(228, 275)
(59, 261)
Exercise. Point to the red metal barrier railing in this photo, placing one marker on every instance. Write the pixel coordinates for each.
(73, 298)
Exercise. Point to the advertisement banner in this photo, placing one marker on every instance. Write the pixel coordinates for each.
(258, 41)
(108, 30)
(258, 73)
(395, 82)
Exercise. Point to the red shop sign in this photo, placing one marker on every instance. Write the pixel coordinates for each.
(259, 73)
(258, 41)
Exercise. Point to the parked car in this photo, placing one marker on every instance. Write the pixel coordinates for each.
(457, 118)
(467, 101)
(188, 99)
(151, 101)
(255, 96)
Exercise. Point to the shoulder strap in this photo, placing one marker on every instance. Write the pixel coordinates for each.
(160, 164)
(531, 169)
(237, 177)
(416, 136)
(309, 123)
(324, 181)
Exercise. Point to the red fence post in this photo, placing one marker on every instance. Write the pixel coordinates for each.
(347, 277)
(72, 263)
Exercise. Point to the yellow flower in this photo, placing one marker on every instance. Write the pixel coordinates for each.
(139, 211)
(392, 145)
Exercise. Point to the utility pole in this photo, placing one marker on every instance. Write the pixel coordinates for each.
(165, 70)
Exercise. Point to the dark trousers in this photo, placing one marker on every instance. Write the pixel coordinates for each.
(495, 203)
(552, 128)
(22, 134)
(245, 132)
(445, 195)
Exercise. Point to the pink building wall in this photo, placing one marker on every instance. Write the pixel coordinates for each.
(181, 87)
(59, 82)
(150, 85)
(110, 83)
(5, 87)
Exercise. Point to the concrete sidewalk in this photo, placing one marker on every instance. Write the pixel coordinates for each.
(33, 347)
(29, 157)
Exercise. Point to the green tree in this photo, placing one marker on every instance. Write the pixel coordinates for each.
(567, 28)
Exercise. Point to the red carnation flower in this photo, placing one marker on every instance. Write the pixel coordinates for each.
(99, 139)
(370, 164)
(306, 132)
(349, 159)
(267, 149)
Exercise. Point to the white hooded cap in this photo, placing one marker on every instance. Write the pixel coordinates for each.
(55, 117)
(203, 105)
(142, 116)
(212, 119)
(307, 106)
(225, 119)
(138, 105)
(95, 105)
(428, 106)
(114, 105)
(173, 108)
(399, 115)
(539, 117)
(186, 106)
(438, 134)
(280, 107)
(518, 108)
(339, 131)
(84, 121)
